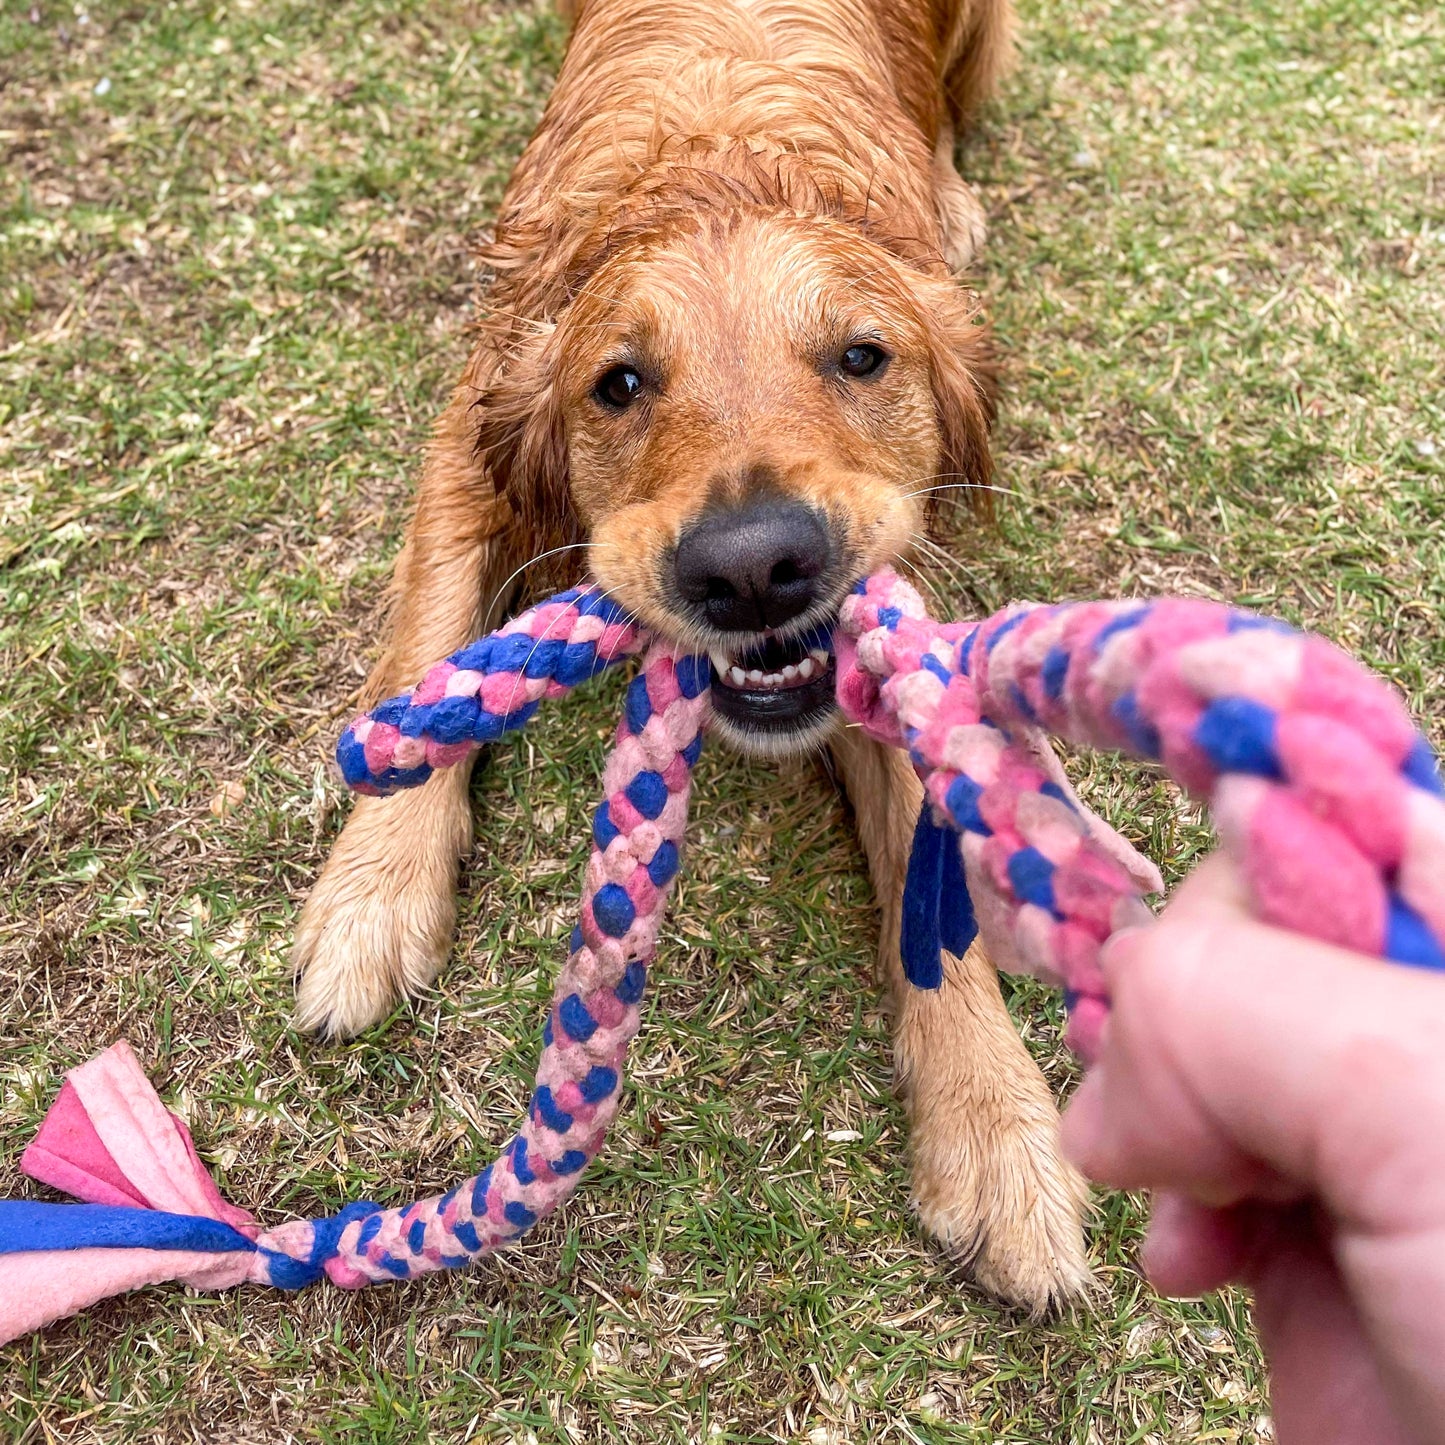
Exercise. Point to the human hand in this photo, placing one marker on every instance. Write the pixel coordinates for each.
(1285, 1100)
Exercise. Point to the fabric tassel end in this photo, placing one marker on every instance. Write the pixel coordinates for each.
(149, 1211)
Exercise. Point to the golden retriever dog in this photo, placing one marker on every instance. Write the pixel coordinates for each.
(724, 355)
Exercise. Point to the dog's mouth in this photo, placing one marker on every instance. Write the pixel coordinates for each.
(772, 688)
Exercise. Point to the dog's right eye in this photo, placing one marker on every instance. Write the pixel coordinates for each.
(863, 359)
(618, 388)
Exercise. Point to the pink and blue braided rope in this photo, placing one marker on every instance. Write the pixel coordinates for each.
(491, 687)
(1328, 798)
(637, 837)
(1322, 789)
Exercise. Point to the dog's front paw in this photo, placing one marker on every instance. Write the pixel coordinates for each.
(380, 920)
(362, 943)
(993, 1189)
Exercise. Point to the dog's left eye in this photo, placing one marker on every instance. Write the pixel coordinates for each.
(618, 388)
(862, 359)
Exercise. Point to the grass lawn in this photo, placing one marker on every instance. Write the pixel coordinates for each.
(234, 281)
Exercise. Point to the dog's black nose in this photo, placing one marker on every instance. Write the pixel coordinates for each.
(753, 567)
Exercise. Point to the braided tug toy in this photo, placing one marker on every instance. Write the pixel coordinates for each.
(1323, 792)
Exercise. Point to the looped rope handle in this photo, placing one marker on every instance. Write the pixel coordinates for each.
(637, 838)
(491, 687)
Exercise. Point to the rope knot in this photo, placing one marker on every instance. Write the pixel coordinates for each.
(298, 1253)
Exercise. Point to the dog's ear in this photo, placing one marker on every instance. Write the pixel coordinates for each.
(965, 388)
(521, 439)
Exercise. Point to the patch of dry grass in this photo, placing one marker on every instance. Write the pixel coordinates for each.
(233, 286)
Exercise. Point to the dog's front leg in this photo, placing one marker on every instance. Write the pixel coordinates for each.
(380, 920)
(989, 1182)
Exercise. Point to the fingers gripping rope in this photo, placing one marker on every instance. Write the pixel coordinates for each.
(1328, 799)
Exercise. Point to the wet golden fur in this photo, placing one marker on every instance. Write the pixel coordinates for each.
(726, 194)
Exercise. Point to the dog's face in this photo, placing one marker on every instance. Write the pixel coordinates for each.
(747, 416)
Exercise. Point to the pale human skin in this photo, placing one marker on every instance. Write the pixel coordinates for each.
(1285, 1101)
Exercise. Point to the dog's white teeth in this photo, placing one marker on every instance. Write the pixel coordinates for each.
(814, 664)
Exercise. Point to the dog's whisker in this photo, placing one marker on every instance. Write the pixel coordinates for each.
(938, 557)
(932, 546)
(935, 476)
(963, 487)
(932, 551)
(925, 581)
(956, 571)
(532, 562)
(518, 317)
(954, 579)
(522, 671)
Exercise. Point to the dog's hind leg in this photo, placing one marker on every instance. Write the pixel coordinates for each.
(381, 917)
(978, 50)
(989, 1182)
(976, 54)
